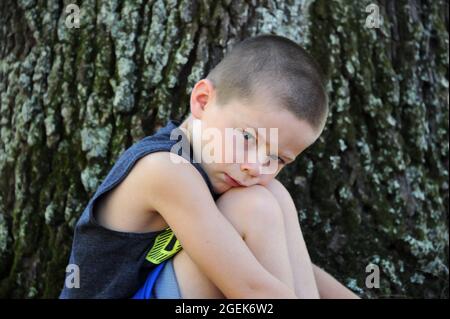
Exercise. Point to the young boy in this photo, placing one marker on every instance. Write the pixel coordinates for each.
(167, 224)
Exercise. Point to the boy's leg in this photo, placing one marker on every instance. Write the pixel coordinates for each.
(256, 215)
(327, 286)
(298, 253)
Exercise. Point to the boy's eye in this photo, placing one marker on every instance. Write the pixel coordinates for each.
(247, 135)
(277, 158)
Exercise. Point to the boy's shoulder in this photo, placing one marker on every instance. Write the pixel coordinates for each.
(162, 176)
(160, 168)
(166, 170)
(133, 199)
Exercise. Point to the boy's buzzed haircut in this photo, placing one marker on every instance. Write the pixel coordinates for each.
(277, 65)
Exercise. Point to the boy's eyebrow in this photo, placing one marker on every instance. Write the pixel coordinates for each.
(287, 159)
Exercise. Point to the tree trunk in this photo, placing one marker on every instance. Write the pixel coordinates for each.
(372, 189)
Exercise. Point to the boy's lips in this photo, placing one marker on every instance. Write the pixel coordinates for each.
(231, 181)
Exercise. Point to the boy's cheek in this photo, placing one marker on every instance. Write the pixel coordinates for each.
(267, 178)
(233, 154)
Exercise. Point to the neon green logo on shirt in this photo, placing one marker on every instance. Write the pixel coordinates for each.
(165, 246)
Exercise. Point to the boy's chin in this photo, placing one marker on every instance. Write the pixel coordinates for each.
(219, 186)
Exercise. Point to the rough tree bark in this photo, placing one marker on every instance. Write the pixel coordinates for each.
(373, 189)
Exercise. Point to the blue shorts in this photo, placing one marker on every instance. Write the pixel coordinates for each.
(161, 283)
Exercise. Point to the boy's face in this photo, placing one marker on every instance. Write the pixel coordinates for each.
(263, 155)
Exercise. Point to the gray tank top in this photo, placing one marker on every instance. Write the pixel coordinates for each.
(115, 264)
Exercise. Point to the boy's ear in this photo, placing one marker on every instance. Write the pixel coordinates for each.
(202, 95)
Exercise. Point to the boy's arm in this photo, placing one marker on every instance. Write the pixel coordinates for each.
(180, 195)
(329, 287)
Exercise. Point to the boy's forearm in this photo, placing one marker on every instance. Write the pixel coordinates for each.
(274, 290)
(329, 287)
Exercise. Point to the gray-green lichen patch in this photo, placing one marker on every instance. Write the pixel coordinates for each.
(49, 213)
(90, 177)
(4, 236)
(352, 283)
(155, 54)
(95, 141)
(73, 206)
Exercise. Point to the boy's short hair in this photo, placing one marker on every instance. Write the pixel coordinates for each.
(277, 64)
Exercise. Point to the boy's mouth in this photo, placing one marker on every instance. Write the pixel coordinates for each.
(231, 181)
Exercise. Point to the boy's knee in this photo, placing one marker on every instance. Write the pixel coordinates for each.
(250, 207)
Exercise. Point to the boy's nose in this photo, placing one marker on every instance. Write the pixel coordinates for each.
(252, 169)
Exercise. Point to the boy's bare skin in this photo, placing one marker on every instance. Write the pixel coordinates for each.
(249, 243)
